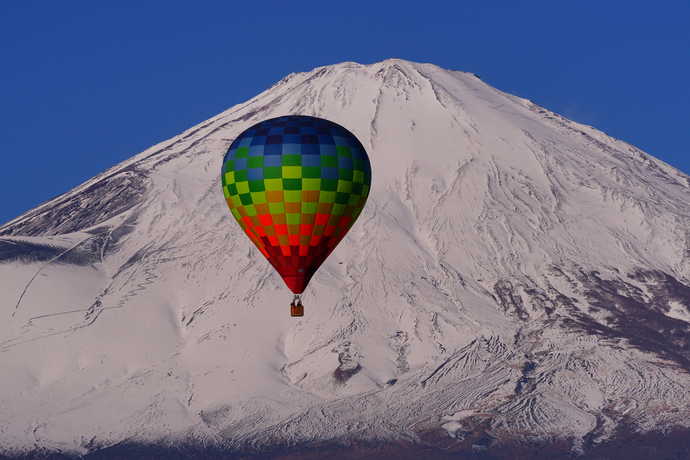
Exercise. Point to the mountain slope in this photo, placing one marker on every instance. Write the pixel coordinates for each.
(514, 277)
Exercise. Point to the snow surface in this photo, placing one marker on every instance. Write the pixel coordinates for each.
(492, 277)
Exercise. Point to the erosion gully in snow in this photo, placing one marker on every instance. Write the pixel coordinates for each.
(517, 282)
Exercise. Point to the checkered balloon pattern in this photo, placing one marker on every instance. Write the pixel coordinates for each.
(296, 184)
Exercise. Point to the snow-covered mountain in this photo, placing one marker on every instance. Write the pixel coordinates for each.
(516, 279)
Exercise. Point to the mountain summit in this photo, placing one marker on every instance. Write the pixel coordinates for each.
(516, 279)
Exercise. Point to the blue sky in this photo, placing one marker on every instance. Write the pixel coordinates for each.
(85, 85)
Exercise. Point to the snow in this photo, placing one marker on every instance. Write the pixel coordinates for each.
(464, 290)
(678, 311)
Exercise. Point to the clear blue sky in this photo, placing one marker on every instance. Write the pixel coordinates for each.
(85, 85)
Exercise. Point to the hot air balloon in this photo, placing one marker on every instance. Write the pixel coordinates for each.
(296, 185)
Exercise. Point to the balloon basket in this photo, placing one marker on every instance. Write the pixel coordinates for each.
(296, 307)
(296, 310)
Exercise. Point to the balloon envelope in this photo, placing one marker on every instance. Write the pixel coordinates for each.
(296, 184)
